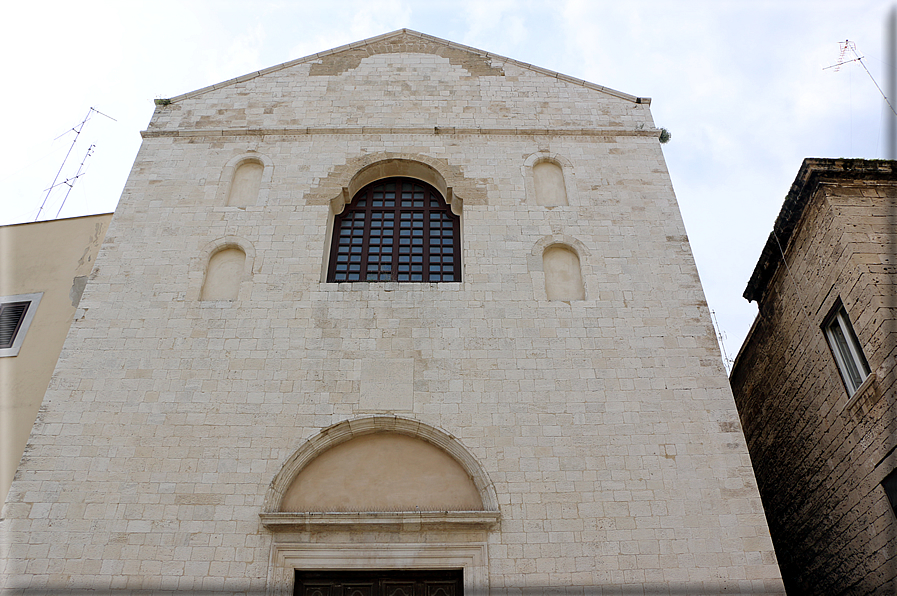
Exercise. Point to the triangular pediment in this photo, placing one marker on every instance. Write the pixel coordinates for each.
(347, 57)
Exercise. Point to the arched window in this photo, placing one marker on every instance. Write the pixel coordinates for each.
(397, 229)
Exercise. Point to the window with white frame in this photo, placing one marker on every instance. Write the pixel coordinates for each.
(16, 314)
(846, 349)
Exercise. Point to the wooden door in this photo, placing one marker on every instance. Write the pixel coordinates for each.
(380, 583)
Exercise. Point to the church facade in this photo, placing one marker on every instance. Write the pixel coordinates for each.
(404, 316)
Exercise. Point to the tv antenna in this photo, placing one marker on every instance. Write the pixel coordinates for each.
(721, 338)
(848, 48)
(71, 181)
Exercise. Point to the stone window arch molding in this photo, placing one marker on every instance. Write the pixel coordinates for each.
(397, 167)
(463, 534)
(226, 182)
(273, 515)
(381, 170)
(567, 174)
(536, 264)
(199, 267)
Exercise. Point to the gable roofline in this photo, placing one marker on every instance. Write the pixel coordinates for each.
(411, 33)
(813, 171)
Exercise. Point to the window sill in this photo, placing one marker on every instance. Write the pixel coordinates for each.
(390, 286)
(863, 391)
(366, 519)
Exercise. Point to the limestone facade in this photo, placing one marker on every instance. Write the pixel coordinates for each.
(821, 445)
(588, 408)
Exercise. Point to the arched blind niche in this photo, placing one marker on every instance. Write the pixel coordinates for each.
(548, 178)
(224, 274)
(383, 472)
(396, 229)
(244, 188)
(563, 275)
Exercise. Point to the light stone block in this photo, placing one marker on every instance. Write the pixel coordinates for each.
(571, 417)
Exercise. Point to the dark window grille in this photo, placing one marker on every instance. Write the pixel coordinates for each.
(11, 316)
(398, 229)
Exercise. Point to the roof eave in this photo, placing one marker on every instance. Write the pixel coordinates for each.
(812, 171)
(430, 38)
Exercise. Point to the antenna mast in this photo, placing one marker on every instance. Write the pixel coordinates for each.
(849, 46)
(721, 338)
(71, 181)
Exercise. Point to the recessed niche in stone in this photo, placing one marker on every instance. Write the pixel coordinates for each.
(549, 181)
(563, 275)
(224, 274)
(244, 189)
(383, 472)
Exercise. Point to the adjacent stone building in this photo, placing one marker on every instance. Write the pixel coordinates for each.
(815, 379)
(402, 316)
(44, 268)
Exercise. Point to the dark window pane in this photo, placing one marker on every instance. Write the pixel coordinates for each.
(366, 230)
(890, 486)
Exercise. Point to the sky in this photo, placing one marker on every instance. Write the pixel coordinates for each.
(741, 85)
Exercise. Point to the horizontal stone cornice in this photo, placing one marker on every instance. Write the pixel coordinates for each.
(293, 520)
(366, 130)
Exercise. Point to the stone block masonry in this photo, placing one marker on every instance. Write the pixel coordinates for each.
(600, 432)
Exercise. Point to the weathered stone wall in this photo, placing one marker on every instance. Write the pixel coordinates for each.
(819, 453)
(604, 427)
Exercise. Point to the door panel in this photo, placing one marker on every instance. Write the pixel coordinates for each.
(380, 583)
